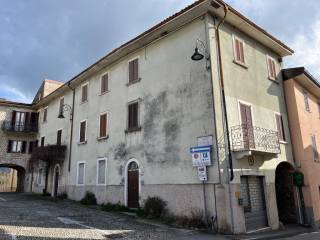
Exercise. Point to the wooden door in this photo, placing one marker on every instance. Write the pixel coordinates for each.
(247, 126)
(133, 185)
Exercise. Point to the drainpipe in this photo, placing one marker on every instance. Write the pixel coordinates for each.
(71, 131)
(230, 173)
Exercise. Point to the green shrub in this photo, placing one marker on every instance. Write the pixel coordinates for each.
(109, 207)
(196, 220)
(89, 199)
(154, 207)
(140, 212)
(62, 196)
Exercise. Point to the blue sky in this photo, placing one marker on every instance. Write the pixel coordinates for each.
(57, 39)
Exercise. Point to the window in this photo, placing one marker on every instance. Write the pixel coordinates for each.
(61, 103)
(306, 101)
(280, 128)
(39, 180)
(133, 116)
(31, 146)
(104, 83)
(103, 122)
(134, 71)
(239, 50)
(272, 70)
(19, 120)
(101, 171)
(84, 93)
(82, 134)
(45, 113)
(17, 146)
(42, 141)
(80, 173)
(59, 135)
(314, 147)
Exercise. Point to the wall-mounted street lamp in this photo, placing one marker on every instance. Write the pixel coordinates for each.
(65, 108)
(201, 52)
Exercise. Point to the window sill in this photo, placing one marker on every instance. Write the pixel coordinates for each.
(283, 142)
(133, 82)
(83, 102)
(129, 130)
(103, 138)
(241, 64)
(103, 93)
(82, 143)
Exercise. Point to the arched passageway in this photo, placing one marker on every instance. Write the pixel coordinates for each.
(17, 174)
(285, 193)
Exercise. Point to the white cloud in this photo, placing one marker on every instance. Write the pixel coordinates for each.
(307, 50)
(14, 94)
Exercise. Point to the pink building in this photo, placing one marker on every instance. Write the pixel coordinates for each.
(302, 93)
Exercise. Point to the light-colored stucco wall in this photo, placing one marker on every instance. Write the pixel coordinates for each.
(249, 84)
(303, 124)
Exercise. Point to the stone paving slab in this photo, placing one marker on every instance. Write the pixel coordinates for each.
(32, 217)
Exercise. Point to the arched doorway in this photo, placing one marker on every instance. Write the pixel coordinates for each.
(132, 182)
(56, 175)
(19, 174)
(285, 193)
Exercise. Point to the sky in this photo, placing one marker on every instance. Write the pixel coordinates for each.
(57, 39)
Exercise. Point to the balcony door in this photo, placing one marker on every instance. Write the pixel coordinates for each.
(19, 119)
(247, 126)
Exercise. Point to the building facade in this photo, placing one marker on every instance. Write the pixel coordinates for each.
(303, 102)
(123, 128)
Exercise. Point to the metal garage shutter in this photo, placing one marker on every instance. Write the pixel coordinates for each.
(252, 193)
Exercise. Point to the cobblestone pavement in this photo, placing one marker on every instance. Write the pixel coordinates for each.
(24, 216)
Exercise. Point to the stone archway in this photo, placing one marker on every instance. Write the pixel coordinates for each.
(285, 193)
(20, 175)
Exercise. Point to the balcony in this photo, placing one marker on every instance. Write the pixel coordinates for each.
(247, 140)
(9, 126)
(50, 153)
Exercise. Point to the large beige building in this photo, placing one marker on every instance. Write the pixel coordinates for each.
(123, 128)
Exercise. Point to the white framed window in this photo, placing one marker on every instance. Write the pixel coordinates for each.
(101, 171)
(84, 92)
(272, 68)
(239, 50)
(83, 131)
(104, 83)
(103, 125)
(45, 114)
(40, 173)
(81, 172)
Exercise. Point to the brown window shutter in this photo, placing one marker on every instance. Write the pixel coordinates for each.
(61, 105)
(24, 147)
(133, 112)
(103, 125)
(84, 96)
(82, 131)
(237, 47)
(59, 135)
(104, 83)
(31, 145)
(136, 69)
(280, 127)
(131, 71)
(9, 146)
